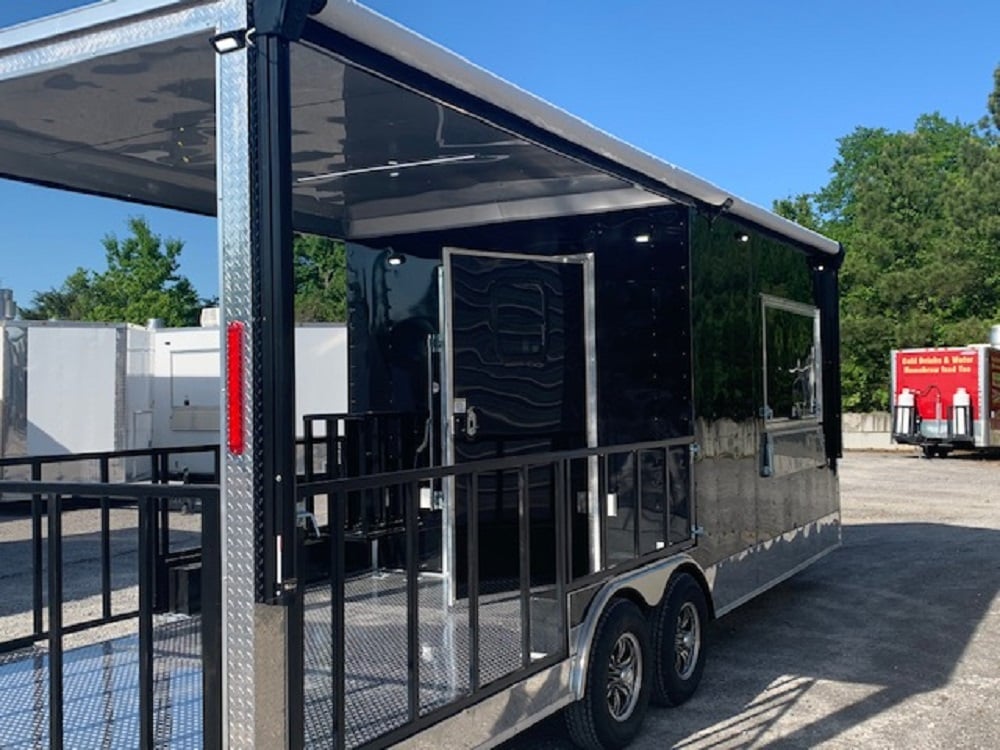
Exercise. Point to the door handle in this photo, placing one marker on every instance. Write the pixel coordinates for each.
(467, 423)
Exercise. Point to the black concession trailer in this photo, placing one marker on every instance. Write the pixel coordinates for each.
(594, 399)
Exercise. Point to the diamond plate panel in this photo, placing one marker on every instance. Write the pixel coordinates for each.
(118, 36)
(238, 519)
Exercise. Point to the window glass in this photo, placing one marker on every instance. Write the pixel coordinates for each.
(791, 360)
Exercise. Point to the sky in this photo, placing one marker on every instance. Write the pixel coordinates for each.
(749, 95)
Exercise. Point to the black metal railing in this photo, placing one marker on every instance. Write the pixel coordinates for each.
(54, 499)
(338, 446)
(546, 521)
(51, 501)
(97, 467)
(350, 445)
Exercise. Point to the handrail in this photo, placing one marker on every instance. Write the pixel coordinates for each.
(112, 491)
(374, 481)
(54, 458)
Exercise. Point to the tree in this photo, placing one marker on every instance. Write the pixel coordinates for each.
(141, 282)
(993, 102)
(918, 213)
(320, 279)
(69, 302)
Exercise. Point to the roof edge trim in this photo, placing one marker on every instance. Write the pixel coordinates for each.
(81, 19)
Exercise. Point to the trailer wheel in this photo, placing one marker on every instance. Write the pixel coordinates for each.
(679, 639)
(617, 689)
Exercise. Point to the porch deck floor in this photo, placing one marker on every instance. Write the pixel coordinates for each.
(101, 699)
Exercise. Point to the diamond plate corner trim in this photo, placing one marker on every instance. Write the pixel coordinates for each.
(238, 519)
(119, 37)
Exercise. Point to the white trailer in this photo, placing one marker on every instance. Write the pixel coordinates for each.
(70, 388)
(187, 386)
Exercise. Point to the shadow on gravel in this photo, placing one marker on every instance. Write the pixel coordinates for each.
(889, 615)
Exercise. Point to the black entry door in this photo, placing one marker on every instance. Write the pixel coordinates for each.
(517, 345)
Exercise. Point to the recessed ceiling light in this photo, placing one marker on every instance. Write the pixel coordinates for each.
(390, 167)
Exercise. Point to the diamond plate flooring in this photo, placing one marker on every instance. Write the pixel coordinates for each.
(101, 680)
(101, 693)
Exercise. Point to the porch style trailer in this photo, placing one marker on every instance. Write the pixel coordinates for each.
(593, 399)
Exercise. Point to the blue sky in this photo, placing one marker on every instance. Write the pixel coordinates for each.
(749, 95)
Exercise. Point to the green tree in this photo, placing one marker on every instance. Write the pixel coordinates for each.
(320, 279)
(141, 282)
(993, 101)
(918, 213)
(69, 302)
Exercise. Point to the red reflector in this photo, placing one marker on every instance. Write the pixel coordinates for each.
(234, 386)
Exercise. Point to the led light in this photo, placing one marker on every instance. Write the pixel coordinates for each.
(642, 239)
(395, 259)
(229, 42)
(742, 237)
(234, 387)
(391, 167)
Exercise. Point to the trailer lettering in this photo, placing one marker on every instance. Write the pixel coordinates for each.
(937, 364)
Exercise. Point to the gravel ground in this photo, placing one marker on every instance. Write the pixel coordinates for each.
(892, 641)
(81, 569)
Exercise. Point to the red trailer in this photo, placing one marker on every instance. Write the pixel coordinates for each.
(946, 397)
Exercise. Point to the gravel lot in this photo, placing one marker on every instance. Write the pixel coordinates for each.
(892, 641)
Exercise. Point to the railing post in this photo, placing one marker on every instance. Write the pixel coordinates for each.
(147, 564)
(211, 622)
(36, 552)
(560, 512)
(338, 520)
(105, 542)
(472, 539)
(411, 496)
(54, 510)
(637, 515)
(524, 542)
(161, 534)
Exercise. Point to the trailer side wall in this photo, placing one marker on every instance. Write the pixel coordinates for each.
(757, 528)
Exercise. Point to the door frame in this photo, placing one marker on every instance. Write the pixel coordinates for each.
(447, 375)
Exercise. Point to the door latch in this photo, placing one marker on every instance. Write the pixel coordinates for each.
(467, 423)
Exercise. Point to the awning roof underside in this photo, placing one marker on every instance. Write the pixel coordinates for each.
(369, 157)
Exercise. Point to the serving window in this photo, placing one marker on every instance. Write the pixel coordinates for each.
(791, 360)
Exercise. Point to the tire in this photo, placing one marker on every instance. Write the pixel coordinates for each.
(929, 451)
(612, 709)
(679, 639)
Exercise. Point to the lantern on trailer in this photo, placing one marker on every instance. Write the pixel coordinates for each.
(961, 408)
(904, 423)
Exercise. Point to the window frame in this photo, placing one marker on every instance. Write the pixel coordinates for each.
(815, 414)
